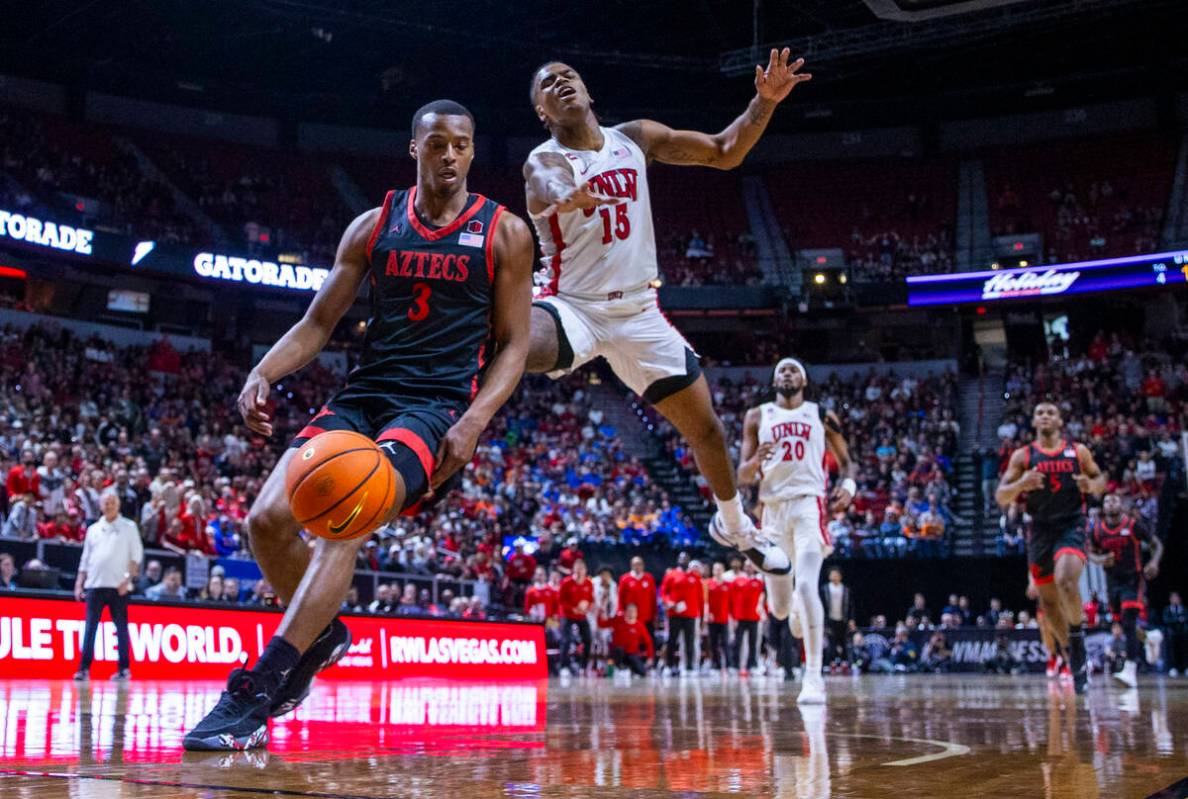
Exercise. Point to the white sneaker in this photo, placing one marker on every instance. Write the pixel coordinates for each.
(565, 672)
(766, 556)
(1173, 672)
(1129, 675)
(813, 691)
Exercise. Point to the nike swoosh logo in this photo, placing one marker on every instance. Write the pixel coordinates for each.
(338, 528)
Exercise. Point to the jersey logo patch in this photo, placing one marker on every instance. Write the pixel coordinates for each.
(1070, 453)
(470, 240)
(474, 226)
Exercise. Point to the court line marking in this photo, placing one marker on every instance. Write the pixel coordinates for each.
(176, 784)
(949, 749)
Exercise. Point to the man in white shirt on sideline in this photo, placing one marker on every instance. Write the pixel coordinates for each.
(110, 562)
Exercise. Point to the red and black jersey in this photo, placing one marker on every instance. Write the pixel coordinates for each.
(1059, 502)
(1124, 542)
(431, 293)
(719, 601)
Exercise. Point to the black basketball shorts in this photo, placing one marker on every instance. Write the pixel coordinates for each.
(1047, 544)
(1126, 595)
(408, 430)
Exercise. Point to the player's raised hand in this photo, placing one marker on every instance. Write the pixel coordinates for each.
(580, 196)
(779, 78)
(252, 401)
(1031, 480)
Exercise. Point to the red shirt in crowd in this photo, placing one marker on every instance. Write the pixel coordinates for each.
(567, 557)
(719, 601)
(684, 587)
(521, 567)
(573, 592)
(631, 638)
(53, 530)
(746, 593)
(1154, 387)
(20, 482)
(542, 595)
(639, 591)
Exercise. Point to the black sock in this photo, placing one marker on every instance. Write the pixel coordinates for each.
(278, 660)
(1076, 646)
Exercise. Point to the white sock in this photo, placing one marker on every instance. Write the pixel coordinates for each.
(808, 570)
(732, 512)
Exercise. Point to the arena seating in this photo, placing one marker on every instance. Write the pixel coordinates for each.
(79, 169)
(890, 217)
(1090, 198)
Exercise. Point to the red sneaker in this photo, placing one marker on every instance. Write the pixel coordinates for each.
(1066, 673)
(1053, 667)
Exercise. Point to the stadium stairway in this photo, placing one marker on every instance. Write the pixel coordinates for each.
(1175, 226)
(632, 422)
(774, 257)
(182, 200)
(980, 406)
(348, 190)
(972, 234)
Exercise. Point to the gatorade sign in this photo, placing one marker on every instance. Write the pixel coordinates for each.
(42, 638)
(31, 230)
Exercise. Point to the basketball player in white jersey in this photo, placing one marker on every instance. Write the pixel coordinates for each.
(783, 448)
(587, 192)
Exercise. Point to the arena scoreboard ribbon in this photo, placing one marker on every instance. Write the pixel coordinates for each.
(1033, 282)
(41, 638)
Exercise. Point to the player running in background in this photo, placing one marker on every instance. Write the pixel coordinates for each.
(450, 273)
(1116, 544)
(1054, 475)
(588, 196)
(783, 449)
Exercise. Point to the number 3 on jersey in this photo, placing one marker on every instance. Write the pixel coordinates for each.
(420, 306)
(622, 225)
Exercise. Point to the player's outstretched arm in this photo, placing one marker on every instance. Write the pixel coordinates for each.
(1017, 479)
(727, 149)
(754, 454)
(1091, 480)
(550, 186)
(511, 303)
(306, 339)
(835, 440)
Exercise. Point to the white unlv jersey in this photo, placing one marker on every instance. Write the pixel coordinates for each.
(596, 252)
(796, 465)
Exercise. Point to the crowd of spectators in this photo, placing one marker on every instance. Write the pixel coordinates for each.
(159, 427)
(1124, 399)
(889, 256)
(698, 259)
(902, 433)
(1086, 221)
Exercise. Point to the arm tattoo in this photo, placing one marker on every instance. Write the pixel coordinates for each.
(682, 156)
(757, 113)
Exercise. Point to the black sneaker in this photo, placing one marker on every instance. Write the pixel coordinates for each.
(238, 721)
(123, 675)
(326, 650)
(1081, 680)
(82, 675)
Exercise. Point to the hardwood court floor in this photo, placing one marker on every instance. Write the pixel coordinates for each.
(903, 737)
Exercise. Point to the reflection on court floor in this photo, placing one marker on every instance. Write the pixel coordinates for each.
(878, 737)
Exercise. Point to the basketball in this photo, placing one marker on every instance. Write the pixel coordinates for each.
(340, 485)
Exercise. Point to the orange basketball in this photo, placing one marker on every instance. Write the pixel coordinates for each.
(340, 485)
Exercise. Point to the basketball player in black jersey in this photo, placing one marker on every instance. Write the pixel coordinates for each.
(450, 275)
(1116, 544)
(1053, 475)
